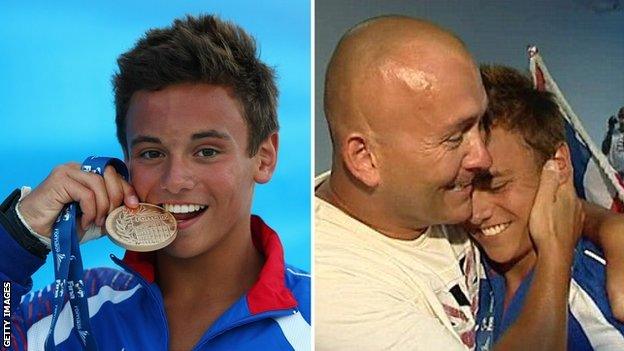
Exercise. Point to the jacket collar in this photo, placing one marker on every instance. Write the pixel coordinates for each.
(268, 293)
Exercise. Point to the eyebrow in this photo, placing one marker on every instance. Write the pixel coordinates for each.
(145, 139)
(464, 124)
(212, 133)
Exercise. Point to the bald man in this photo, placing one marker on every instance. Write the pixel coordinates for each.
(403, 101)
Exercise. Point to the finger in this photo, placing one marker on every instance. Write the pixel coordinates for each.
(85, 198)
(114, 188)
(549, 183)
(130, 197)
(96, 184)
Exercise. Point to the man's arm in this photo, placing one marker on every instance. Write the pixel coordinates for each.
(606, 229)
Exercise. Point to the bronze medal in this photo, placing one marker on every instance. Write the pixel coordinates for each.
(145, 228)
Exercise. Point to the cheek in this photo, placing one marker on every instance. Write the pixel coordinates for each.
(521, 203)
(143, 179)
(232, 179)
(428, 164)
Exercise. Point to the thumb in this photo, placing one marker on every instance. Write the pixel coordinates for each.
(130, 197)
(549, 182)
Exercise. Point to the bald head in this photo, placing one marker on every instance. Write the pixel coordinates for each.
(404, 100)
(385, 52)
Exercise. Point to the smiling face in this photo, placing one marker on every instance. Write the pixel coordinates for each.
(187, 151)
(430, 141)
(503, 198)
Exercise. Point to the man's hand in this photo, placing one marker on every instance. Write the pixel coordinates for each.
(67, 183)
(556, 219)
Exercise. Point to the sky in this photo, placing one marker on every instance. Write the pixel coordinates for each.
(56, 101)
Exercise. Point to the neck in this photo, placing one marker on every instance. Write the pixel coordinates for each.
(222, 273)
(361, 204)
(515, 272)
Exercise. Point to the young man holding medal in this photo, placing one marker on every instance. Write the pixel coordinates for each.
(196, 118)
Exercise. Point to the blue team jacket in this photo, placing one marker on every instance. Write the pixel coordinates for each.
(591, 324)
(126, 306)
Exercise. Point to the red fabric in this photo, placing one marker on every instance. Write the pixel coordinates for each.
(267, 294)
(540, 82)
(144, 263)
(270, 291)
(617, 205)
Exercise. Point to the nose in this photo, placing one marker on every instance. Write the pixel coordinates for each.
(481, 208)
(478, 158)
(177, 176)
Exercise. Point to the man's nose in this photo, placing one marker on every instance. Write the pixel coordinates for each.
(478, 157)
(177, 176)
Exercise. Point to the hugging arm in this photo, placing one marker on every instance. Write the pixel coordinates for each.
(606, 229)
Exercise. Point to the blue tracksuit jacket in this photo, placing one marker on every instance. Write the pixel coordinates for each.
(126, 306)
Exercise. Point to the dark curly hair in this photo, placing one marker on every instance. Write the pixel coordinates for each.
(515, 105)
(203, 49)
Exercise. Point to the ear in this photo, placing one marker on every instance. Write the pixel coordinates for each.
(564, 162)
(360, 160)
(266, 159)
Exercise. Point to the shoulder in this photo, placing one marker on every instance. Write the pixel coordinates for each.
(299, 283)
(588, 301)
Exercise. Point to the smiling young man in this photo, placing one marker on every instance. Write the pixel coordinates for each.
(527, 129)
(196, 118)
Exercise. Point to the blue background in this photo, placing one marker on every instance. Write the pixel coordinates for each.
(56, 102)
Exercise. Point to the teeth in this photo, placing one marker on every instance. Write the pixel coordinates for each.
(186, 208)
(495, 229)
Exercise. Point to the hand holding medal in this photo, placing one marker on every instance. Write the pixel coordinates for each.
(52, 209)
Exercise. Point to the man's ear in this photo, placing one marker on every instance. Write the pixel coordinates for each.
(266, 158)
(564, 162)
(360, 160)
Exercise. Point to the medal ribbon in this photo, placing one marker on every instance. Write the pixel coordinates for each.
(68, 270)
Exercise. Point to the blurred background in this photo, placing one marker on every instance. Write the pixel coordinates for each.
(56, 101)
(581, 42)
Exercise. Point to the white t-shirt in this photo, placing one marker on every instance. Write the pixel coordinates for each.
(373, 292)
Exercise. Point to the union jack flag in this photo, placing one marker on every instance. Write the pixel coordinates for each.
(595, 179)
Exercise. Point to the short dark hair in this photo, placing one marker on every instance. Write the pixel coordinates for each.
(203, 49)
(515, 105)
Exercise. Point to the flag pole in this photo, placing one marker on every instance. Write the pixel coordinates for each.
(545, 81)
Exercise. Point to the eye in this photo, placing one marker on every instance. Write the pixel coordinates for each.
(455, 141)
(498, 187)
(150, 154)
(207, 152)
